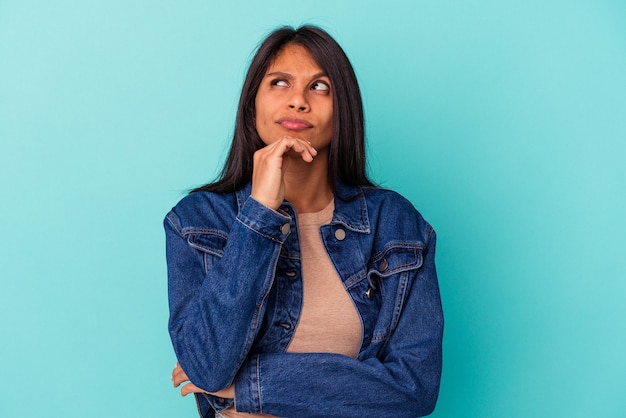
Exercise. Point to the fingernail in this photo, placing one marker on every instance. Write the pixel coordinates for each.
(314, 150)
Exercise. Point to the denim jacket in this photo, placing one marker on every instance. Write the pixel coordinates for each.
(235, 295)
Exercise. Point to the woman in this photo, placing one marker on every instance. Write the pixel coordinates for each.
(296, 287)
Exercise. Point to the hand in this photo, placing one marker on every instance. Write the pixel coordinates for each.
(270, 163)
(179, 376)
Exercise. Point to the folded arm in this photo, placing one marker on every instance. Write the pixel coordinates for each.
(210, 306)
(403, 381)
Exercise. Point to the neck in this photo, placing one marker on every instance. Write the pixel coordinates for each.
(306, 184)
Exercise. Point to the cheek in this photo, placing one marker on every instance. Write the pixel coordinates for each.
(261, 111)
(260, 123)
(263, 128)
(258, 114)
(329, 121)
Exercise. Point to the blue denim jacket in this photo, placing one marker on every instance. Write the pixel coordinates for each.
(235, 294)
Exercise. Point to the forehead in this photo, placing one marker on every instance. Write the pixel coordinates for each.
(293, 58)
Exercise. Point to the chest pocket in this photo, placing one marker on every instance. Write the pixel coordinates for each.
(395, 258)
(210, 244)
(389, 275)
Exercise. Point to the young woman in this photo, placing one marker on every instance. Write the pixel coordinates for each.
(297, 288)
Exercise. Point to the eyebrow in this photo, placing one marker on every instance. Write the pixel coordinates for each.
(290, 76)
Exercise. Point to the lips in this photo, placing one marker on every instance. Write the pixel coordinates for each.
(294, 124)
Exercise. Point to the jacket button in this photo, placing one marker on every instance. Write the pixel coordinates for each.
(383, 265)
(285, 229)
(340, 234)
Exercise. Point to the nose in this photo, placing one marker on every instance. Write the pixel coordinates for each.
(298, 101)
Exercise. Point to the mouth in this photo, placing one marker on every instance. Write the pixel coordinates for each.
(294, 124)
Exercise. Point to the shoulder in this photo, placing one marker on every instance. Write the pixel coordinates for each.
(203, 210)
(387, 197)
(391, 212)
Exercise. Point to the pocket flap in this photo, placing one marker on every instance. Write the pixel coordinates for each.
(208, 241)
(397, 257)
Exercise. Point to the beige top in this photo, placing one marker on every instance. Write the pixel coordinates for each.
(329, 322)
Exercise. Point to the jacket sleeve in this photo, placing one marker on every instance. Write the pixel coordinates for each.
(403, 381)
(209, 307)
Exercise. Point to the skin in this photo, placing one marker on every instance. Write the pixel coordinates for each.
(294, 113)
(179, 377)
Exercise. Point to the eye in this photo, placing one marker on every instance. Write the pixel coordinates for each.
(320, 86)
(279, 82)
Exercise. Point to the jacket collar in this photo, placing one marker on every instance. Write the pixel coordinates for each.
(350, 206)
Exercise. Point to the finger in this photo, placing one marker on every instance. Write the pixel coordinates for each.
(287, 143)
(276, 150)
(178, 379)
(304, 147)
(190, 388)
(312, 150)
(178, 375)
(297, 145)
(176, 369)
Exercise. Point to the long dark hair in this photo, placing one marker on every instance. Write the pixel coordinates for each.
(346, 160)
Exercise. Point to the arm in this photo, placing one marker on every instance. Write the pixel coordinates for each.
(215, 314)
(403, 381)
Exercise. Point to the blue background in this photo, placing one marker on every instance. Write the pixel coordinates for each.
(504, 122)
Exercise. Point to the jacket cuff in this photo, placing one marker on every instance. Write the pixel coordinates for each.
(264, 221)
(248, 387)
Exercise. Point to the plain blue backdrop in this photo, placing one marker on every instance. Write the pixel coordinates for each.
(504, 122)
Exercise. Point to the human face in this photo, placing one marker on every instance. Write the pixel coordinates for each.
(295, 99)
